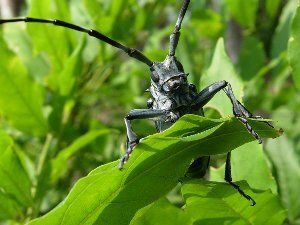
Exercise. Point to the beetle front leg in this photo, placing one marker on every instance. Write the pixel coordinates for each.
(239, 111)
(132, 139)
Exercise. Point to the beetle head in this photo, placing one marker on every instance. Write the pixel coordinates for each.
(169, 76)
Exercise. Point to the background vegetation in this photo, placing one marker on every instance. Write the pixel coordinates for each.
(63, 97)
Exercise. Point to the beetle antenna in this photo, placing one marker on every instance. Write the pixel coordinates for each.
(134, 53)
(174, 37)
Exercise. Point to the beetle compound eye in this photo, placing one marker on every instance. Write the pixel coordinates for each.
(154, 76)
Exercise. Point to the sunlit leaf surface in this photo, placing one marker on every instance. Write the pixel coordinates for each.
(153, 169)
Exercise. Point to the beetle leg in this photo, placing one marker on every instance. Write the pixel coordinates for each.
(228, 179)
(208, 93)
(239, 110)
(132, 139)
(248, 114)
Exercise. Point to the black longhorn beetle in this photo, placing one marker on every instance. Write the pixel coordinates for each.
(172, 95)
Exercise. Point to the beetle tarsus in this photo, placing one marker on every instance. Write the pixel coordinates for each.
(250, 129)
(241, 113)
(129, 149)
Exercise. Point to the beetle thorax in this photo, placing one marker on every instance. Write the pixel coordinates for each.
(169, 87)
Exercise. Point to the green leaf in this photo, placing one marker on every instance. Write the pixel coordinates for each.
(244, 12)
(286, 161)
(20, 43)
(154, 168)
(47, 38)
(55, 41)
(5, 141)
(21, 99)
(161, 212)
(222, 68)
(272, 7)
(72, 69)
(213, 203)
(282, 33)
(206, 22)
(8, 207)
(248, 163)
(294, 48)
(107, 19)
(14, 182)
(252, 53)
(58, 164)
(280, 41)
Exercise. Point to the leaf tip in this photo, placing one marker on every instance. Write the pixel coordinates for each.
(280, 132)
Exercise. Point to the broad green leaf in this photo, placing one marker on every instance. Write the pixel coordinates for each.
(222, 68)
(252, 53)
(287, 166)
(20, 43)
(14, 182)
(244, 12)
(211, 203)
(152, 171)
(161, 212)
(115, 12)
(272, 7)
(280, 40)
(282, 33)
(72, 69)
(101, 18)
(294, 48)
(109, 17)
(58, 164)
(47, 38)
(55, 41)
(206, 22)
(21, 99)
(248, 163)
(5, 141)
(8, 207)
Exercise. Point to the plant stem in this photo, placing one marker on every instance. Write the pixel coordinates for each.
(33, 210)
(44, 154)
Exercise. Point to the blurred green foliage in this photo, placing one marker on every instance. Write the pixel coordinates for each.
(63, 96)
